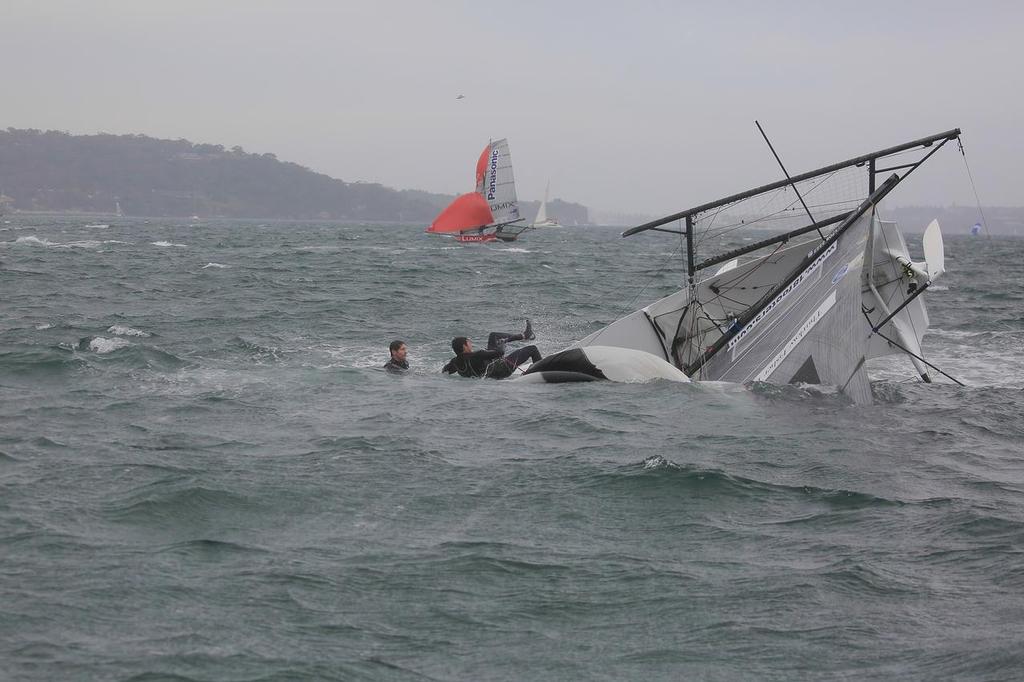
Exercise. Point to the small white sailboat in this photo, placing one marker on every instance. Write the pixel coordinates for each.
(491, 211)
(542, 219)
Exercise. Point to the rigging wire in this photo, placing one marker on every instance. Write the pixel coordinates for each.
(786, 173)
(629, 306)
(783, 213)
(911, 353)
(970, 176)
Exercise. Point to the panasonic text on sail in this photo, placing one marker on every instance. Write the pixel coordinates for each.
(492, 185)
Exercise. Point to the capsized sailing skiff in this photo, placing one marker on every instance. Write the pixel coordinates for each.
(808, 305)
(489, 212)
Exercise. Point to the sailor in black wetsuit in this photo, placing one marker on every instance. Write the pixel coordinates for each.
(492, 363)
(397, 364)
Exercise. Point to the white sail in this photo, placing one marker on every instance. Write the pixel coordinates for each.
(499, 187)
(542, 212)
(542, 219)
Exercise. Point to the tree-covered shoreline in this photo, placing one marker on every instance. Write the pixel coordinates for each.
(53, 171)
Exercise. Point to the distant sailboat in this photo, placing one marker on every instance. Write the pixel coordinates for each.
(492, 210)
(542, 219)
(117, 209)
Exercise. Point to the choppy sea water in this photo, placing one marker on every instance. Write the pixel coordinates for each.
(205, 476)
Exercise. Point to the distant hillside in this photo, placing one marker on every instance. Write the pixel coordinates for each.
(55, 171)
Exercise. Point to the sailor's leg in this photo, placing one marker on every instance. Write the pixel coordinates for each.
(497, 340)
(521, 355)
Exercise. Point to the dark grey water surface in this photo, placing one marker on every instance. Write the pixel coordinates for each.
(204, 476)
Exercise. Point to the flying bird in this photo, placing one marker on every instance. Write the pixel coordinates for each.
(460, 97)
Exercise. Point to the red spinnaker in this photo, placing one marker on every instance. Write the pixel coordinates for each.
(481, 167)
(467, 212)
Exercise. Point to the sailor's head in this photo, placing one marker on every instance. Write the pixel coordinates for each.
(398, 350)
(460, 344)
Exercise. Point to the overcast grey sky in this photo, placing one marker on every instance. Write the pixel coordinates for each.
(639, 106)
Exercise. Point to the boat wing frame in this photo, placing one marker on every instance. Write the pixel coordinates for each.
(936, 141)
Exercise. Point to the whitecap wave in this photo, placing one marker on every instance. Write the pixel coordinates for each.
(961, 334)
(103, 345)
(124, 330)
(167, 243)
(84, 244)
(214, 265)
(33, 240)
(659, 462)
(517, 249)
(361, 357)
(43, 326)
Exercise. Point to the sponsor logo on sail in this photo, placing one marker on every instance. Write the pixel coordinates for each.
(493, 173)
(840, 273)
(775, 302)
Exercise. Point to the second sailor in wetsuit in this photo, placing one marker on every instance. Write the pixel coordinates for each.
(397, 364)
(492, 363)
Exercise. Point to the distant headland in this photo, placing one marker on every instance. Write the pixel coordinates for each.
(137, 175)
